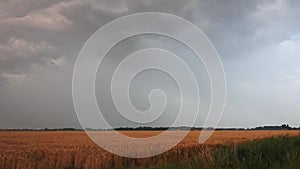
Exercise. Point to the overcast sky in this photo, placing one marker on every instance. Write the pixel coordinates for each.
(258, 42)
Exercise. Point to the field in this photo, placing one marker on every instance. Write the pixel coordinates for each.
(271, 153)
(66, 149)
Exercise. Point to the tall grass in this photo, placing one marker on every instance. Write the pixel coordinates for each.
(271, 153)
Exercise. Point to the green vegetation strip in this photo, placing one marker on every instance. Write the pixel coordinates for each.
(271, 153)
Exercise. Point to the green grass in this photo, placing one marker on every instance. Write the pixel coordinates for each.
(271, 153)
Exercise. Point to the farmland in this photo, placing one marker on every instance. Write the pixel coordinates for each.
(74, 149)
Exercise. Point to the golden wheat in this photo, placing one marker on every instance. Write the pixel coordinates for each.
(66, 149)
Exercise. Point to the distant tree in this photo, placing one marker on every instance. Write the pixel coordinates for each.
(286, 126)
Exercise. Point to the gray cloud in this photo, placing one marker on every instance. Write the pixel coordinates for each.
(258, 42)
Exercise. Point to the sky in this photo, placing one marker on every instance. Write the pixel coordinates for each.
(258, 42)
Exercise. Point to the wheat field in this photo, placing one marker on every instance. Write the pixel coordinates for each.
(74, 149)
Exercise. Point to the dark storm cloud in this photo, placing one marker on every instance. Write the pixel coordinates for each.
(40, 40)
(50, 29)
